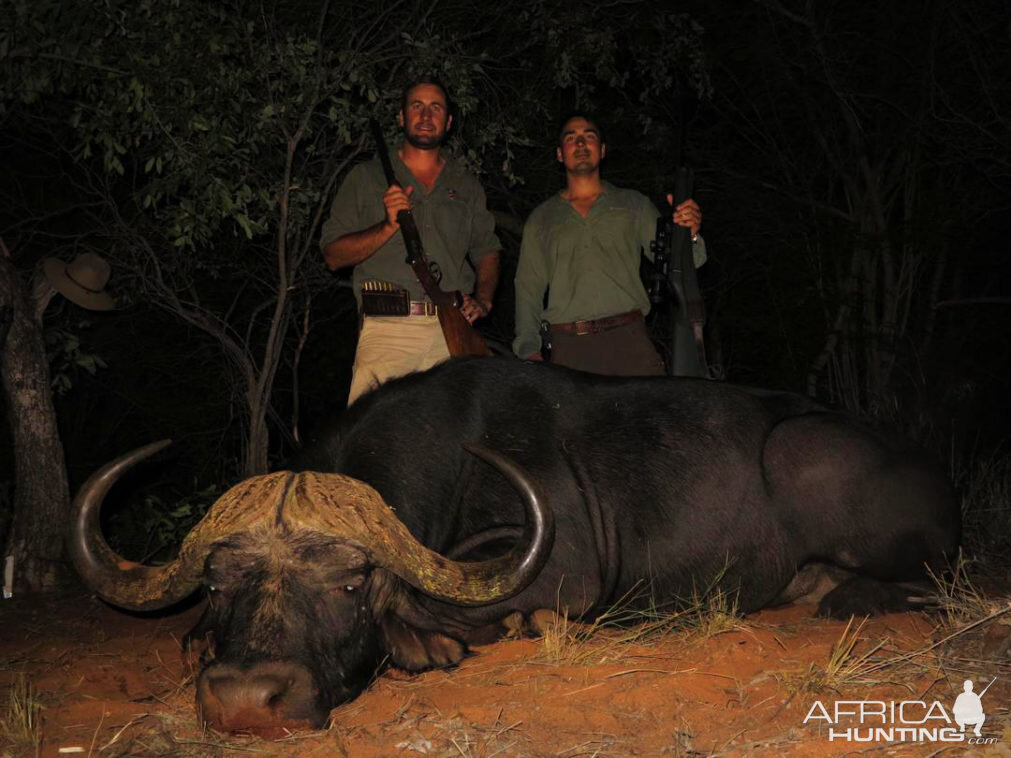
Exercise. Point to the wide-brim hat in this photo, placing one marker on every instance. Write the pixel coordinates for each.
(82, 281)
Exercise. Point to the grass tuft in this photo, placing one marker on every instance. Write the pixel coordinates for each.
(957, 596)
(22, 717)
(844, 667)
(636, 620)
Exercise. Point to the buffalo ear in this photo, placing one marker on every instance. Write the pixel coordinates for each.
(415, 649)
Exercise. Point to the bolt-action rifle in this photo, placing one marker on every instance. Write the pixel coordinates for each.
(461, 337)
(672, 284)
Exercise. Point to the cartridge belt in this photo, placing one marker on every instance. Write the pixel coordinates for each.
(385, 299)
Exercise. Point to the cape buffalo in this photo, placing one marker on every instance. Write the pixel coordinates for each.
(396, 543)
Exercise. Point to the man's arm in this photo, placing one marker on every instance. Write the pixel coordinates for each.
(531, 281)
(483, 250)
(480, 304)
(353, 248)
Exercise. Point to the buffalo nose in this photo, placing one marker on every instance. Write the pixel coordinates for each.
(252, 691)
(268, 699)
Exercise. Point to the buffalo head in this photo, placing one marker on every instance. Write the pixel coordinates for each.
(308, 579)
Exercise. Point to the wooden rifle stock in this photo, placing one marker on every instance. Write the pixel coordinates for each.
(461, 337)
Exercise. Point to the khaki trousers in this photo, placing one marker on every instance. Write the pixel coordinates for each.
(392, 346)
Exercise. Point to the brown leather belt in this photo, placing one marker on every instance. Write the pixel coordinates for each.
(423, 308)
(596, 325)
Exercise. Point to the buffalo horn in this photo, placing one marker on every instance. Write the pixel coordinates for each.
(144, 588)
(349, 509)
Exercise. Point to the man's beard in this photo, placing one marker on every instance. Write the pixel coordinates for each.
(425, 141)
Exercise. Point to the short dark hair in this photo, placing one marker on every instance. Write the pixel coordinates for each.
(425, 79)
(586, 116)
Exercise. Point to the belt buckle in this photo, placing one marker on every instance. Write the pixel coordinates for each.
(423, 308)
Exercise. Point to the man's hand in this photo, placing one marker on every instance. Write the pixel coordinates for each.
(473, 309)
(396, 199)
(687, 214)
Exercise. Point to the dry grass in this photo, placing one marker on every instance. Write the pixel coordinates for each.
(966, 611)
(713, 613)
(172, 733)
(958, 597)
(437, 733)
(845, 665)
(20, 728)
(976, 639)
(634, 620)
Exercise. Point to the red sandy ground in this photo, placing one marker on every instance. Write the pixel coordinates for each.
(116, 685)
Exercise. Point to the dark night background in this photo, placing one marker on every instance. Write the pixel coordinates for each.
(853, 164)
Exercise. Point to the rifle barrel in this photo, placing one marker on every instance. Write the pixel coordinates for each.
(384, 154)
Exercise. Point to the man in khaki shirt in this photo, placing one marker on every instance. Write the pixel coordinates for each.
(457, 232)
(583, 247)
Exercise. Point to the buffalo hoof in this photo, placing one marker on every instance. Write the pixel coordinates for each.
(415, 649)
(514, 626)
(862, 596)
(543, 621)
(536, 624)
(517, 625)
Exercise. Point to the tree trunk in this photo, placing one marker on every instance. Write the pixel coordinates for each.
(41, 493)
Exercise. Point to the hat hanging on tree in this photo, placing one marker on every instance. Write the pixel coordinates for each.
(82, 281)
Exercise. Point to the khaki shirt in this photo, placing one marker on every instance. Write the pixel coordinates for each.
(591, 265)
(453, 220)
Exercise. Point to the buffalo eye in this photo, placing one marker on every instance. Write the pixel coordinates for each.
(348, 585)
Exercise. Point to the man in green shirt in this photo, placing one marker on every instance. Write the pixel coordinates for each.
(457, 231)
(583, 247)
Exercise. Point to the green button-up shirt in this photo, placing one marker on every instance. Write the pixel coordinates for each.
(589, 265)
(453, 220)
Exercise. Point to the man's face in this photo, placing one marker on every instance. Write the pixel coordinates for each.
(425, 118)
(581, 150)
